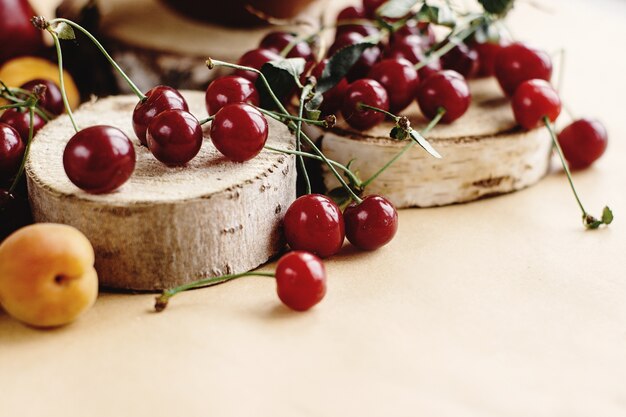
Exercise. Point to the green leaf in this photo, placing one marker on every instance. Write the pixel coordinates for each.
(498, 7)
(64, 31)
(398, 133)
(339, 64)
(439, 15)
(396, 9)
(607, 216)
(283, 76)
(421, 140)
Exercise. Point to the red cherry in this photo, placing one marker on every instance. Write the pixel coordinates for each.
(19, 119)
(158, 100)
(314, 223)
(18, 36)
(333, 98)
(256, 58)
(371, 224)
(487, 52)
(11, 152)
(533, 100)
(351, 13)
(239, 131)
(446, 89)
(278, 41)
(368, 92)
(462, 59)
(363, 30)
(99, 159)
(410, 47)
(422, 29)
(518, 62)
(370, 7)
(230, 89)
(52, 100)
(367, 60)
(300, 280)
(399, 78)
(174, 137)
(583, 142)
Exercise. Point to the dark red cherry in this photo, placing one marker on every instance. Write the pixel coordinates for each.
(462, 59)
(18, 36)
(445, 89)
(368, 92)
(363, 30)
(371, 224)
(333, 98)
(532, 101)
(52, 100)
(399, 78)
(174, 137)
(409, 47)
(518, 62)
(421, 29)
(300, 280)
(314, 223)
(278, 41)
(367, 60)
(487, 52)
(19, 119)
(256, 58)
(228, 90)
(370, 7)
(11, 152)
(99, 159)
(239, 131)
(583, 142)
(158, 100)
(351, 13)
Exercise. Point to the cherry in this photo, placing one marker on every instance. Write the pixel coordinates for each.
(368, 92)
(422, 29)
(52, 100)
(583, 142)
(370, 7)
(399, 78)
(518, 62)
(11, 152)
(300, 280)
(462, 59)
(256, 58)
(367, 60)
(230, 89)
(371, 224)
(19, 119)
(532, 101)
(278, 41)
(333, 98)
(487, 52)
(351, 13)
(99, 159)
(158, 100)
(17, 35)
(314, 223)
(409, 47)
(363, 30)
(174, 137)
(239, 131)
(446, 89)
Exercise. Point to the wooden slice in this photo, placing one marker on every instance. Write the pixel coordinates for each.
(167, 226)
(484, 153)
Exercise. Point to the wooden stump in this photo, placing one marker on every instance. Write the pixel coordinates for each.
(484, 153)
(167, 226)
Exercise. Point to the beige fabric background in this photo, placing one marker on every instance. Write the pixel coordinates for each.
(503, 307)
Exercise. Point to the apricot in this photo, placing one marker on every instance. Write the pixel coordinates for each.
(18, 71)
(47, 277)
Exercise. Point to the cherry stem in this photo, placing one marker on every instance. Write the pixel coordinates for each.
(95, 41)
(449, 43)
(211, 63)
(66, 103)
(31, 132)
(307, 180)
(19, 103)
(361, 106)
(282, 117)
(162, 300)
(207, 120)
(408, 146)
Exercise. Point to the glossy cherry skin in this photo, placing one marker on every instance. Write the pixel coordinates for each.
(446, 89)
(367, 60)
(371, 224)
(158, 100)
(278, 41)
(368, 92)
(462, 59)
(583, 142)
(399, 78)
(99, 159)
(422, 29)
(11, 152)
(20, 121)
(410, 47)
(518, 62)
(52, 100)
(228, 90)
(314, 223)
(256, 58)
(532, 101)
(487, 52)
(239, 131)
(333, 98)
(17, 35)
(300, 280)
(174, 137)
